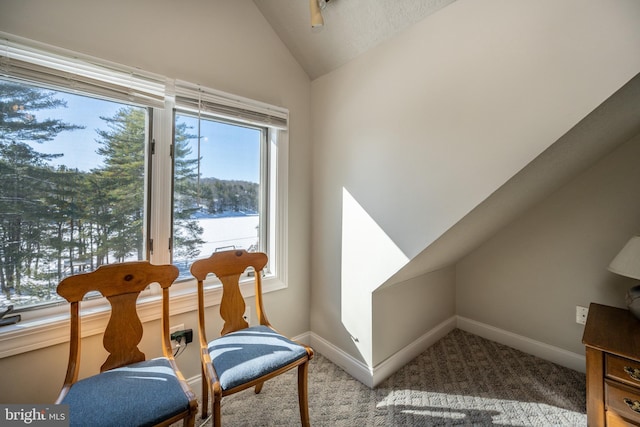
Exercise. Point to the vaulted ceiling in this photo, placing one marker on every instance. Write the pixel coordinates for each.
(351, 27)
(354, 26)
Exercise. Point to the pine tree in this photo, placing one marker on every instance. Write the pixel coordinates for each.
(187, 198)
(122, 177)
(23, 177)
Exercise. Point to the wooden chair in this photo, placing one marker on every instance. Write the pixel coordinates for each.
(129, 390)
(243, 356)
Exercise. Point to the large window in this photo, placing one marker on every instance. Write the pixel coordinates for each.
(72, 188)
(217, 188)
(100, 163)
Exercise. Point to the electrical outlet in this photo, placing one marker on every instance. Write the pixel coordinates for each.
(247, 315)
(176, 328)
(581, 314)
(183, 337)
(173, 329)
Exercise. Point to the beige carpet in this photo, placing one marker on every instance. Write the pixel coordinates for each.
(462, 380)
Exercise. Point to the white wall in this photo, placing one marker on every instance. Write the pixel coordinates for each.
(226, 45)
(529, 277)
(403, 312)
(417, 132)
(423, 128)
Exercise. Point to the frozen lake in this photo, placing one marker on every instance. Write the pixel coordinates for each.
(222, 233)
(227, 232)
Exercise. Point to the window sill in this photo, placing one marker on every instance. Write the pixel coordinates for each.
(54, 329)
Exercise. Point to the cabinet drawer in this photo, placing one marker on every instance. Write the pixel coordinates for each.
(623, 400)
(615, 420)
(623, 370)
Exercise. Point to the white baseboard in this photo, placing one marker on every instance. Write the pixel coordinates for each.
(388, 367)
(372, 377)
(354, 367)
(539, 349)
(304, 338)
(195, 383)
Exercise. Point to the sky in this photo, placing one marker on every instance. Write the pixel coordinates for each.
(227, 151)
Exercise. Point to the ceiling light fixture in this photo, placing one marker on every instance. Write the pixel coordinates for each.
(315, 6)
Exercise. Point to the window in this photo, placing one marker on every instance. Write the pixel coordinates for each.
(219, 195)
(229, 187)
(72, 188)
(91, 153)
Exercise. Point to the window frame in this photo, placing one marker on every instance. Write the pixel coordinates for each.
(34, 311)
(47, 326)
(265, 196)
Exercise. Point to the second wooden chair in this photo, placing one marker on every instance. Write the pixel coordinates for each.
(243, 356)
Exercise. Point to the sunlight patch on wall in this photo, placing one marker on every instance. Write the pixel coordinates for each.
(369, 258)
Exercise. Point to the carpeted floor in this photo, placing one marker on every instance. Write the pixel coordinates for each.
(462, 380)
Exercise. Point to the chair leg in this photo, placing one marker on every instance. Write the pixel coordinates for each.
(189, 421)
(217, 420)
(205, 394)
(302, 394)
(258, 388)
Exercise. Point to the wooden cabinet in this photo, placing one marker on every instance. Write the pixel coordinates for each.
(612, 341)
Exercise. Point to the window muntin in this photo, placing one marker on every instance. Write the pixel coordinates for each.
(219, 190)
(72, 186)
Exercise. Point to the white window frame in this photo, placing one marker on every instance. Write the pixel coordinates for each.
(48, 326)
(265, 194)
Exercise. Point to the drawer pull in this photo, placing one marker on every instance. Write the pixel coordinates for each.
(634, 405)
(633, 372)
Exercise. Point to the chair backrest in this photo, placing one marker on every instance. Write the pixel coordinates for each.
(121, 284)
(228, 266)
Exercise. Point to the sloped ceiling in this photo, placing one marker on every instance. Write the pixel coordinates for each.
(354, 26)
(351, 27)
(614, 122)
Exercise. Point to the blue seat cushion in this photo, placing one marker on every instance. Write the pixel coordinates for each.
(141, 394)
(248, 354)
